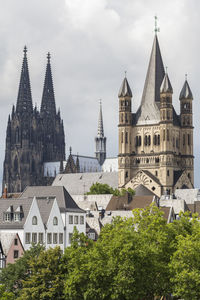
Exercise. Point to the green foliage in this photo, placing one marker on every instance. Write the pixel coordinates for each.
(46, 280)
(100, 188)
(141, 257)
(4, 295)
(14, 274)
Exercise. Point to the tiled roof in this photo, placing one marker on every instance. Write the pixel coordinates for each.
(65, 201)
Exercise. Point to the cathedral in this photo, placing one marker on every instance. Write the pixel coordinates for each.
(33, 137)
(155, 143)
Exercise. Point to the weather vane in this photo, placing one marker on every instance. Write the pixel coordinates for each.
(157, 29)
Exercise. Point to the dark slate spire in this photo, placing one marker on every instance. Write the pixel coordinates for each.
(155, 75)
(48, 101)
(125, 90)
(148, 112)
(166, 86)
(186, 91)
(100, 132)
(24, 99)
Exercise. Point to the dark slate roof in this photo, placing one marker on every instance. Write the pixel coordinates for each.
(141, 190)
(166, 86)
(177, 175)
(148, 111)
(45, 206)
(125, 89)
(186, 92)
(4, 206)
(65, 201)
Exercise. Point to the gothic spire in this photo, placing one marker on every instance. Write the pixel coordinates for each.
(24, 99)
(155, 75)
(48, 100)
(186, 91)
(100, 132)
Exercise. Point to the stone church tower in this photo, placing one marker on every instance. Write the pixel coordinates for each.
(31, 139)
(155, 143)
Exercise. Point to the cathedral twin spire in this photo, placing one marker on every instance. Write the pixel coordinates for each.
(24, 99)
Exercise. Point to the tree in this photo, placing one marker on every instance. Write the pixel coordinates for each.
(46, 280)
(14, 274)
(129, 260)
(103, 188)
(4, 295)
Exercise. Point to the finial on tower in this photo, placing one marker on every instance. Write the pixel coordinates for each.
(48, 57)
(70, 150)
(186, 77)
(25, 50)
(157, 29)
(166, 69)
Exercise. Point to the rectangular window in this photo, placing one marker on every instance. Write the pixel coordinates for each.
(184, 140)
(75, 219)
(40, 237)
(70, 219)
(163, 134)
(122, 137)
(16, 254)
(28, 238)
(188, 139)
(34, 237)
(167, 134)
(91, 235)
(55, 238)
(17, 217)
(16, 242)
(70, 237)
(60, 238)
(49, 238)
(81, 219)
(7, 217)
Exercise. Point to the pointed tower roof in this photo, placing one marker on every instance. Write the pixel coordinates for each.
(125, 90)
(100, 132)
(166, 86)
(186, 91)
(48, 100)
(24, 99)
(148, 112)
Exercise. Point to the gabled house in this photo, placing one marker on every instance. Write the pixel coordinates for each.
(11, 248)
(45, 215)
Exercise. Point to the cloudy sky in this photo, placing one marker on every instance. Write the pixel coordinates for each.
(92, 43)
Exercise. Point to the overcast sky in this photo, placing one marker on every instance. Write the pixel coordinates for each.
(92, 43)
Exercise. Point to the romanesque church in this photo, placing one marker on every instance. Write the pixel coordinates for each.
(155, 143)
(32, 137)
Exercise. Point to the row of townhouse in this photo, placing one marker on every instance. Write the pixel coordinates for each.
(45, 215)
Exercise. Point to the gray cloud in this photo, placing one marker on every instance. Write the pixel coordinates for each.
(92, 43)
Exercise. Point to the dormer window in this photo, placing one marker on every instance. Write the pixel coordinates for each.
(34, 220)
(17, 216)
(55, 221)
(7, 217)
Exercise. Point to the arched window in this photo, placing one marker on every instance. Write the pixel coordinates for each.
(34, 220)
(55, 221)
(16, 164)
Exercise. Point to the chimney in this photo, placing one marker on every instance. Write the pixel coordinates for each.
(5, 192)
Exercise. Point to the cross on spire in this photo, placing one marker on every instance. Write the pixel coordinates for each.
(157, 29)
(25, 50)
(186, 76)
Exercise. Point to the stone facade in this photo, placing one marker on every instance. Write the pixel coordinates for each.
(156, 144)
(33, 137)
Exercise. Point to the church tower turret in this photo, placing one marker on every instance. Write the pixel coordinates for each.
(100, 139)
(125, 123)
